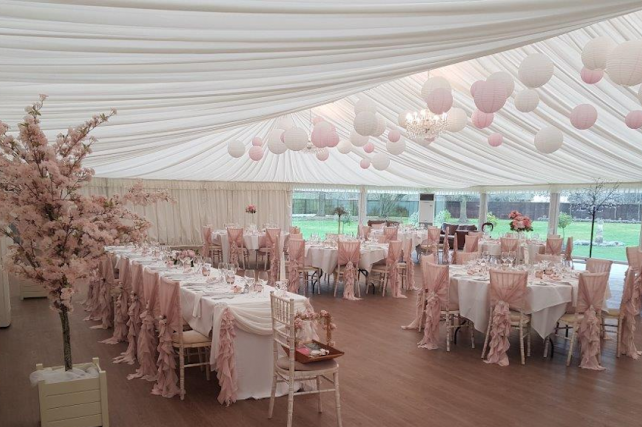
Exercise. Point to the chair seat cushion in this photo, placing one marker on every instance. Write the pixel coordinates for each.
(514, 318)
(284, 363)
(569, 318)
(192, 337)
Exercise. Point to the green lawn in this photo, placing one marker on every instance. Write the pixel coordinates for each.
(629, 234)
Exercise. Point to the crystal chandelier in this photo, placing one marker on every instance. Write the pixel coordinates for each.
(424, 124)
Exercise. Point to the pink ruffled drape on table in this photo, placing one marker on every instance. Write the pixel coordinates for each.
(273, 236)
(134, 321)
(170, 323)
(629, 310)
(235, 241)
(507, 290)
(349, 256)
(147, 343)
(435, 296)
(207, 241)
(296, 251)
(590, 298)
(225, 361)
(392, 266)
(104, 311)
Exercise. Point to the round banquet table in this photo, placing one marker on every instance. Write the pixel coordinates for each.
(493, 247)
(326, 258)
(546, 300)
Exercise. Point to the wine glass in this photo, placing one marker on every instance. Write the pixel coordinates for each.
(511, 258)
(504, 257)
(250, 274)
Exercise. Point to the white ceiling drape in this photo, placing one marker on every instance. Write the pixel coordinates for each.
(188, 76)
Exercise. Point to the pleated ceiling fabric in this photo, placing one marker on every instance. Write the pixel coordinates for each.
(189, 76)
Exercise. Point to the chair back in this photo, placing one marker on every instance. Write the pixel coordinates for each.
(508, 286)
(378, 226)
(206, 234)
(390, 234)
(591, 291)
(433, 235)
(349, 251)
(568, 252)
(435, 279)
(634, 257)
(296, 250)
(137, 279)
(124, 276)
(509, 244)
(283, 330)
(296, 236)
(596, 265)
(169, 304)
(150, 292)
(273, 236)
(235, 235)
(295, 230)
(554, 259)
(472, 243)
(465, 257)
(554, 245)
(394, 252)
(364, 231)
(407, 252)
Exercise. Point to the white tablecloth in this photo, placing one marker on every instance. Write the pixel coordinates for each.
(327, 258)
(546, 303)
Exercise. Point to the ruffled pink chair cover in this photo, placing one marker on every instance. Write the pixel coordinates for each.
(507, 290)
(390, 234)
(147, 342)
(436, 281)
(121, 308)
(207, 240)
(392, 266)
(410, 266)
(445, 253)
(590, 298)
(273, 236)
(634, 257)
(568, 252)
(455, 249)
(364, 231)
(170, 323)
(509, 244)
(629, 310)
(554, 245)
(421, 298)
(134, 321)
(472, 243)
(595, 265)
(104, 310)
(349, 257)
(235, 241)
(297, 261)
(226, 361)
(434, 234)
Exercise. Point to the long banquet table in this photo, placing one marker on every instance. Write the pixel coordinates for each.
(203, 305)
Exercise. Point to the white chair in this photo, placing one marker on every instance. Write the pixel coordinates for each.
(288, 370)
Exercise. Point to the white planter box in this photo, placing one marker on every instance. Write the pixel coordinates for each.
(28, 289)
(78, 403)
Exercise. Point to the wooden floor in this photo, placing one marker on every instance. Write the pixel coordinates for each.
(385, 379)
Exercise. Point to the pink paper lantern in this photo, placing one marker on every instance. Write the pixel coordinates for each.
(495, 139)
(634, 119)
(473, 88)
(365, 163)
(323, 154)
(482, 120)
(591, 76)
(257, 141)
(583, 116)
(317, 120)
(369, 147)
(439, 100)
(394, 135)
(318, 138)
(332, 139)
(256, 153)
(490, 96)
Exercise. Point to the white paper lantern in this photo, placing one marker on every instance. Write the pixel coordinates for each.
(344, 146)
(549, 140)
(505, 79)
(296, 139)
(596, 52)
(490, 96)
(440, 100)
(365, 123)
(358, 140)
(381, 126)
(403, 118)
(583, 116)
(640, 94)
(235, 149)
(365, 104)
(257, 141)
(285, 122)
(396, 148)
(380, 161)
(274, 143)
(433, 83)
(456, 120)
(394, 135)
(527, 100)
(536, 70)
(256, 153)
(624, 64)
(323, 154)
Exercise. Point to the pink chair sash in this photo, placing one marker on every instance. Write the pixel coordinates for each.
(225, 360)
(436, 282)
(392, 266)
(434, 233)
(146, 343)
(509, 244)
(273, 240)
(390, 234)
(554, 245)
(634, 257)
(134, 321)
(207, 241)
(445, 254)
(590, 298)
(410, 266)
(170, 322)
(595, 265)
(629, 310)
(472, 243)
(349, 256)
(507, 289)
(235, 241)
(297, 259)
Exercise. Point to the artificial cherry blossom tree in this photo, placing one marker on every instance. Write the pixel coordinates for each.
(58, 233)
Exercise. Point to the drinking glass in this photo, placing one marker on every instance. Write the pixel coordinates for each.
(205, 269)
(250, 274)
(504, 257)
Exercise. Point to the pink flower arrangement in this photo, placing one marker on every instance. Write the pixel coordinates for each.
(186, 254)
(251, 209)
(59, 234)
(520, 222)
(310, 315)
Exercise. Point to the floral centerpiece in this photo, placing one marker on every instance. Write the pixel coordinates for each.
(251, 209)
(310, 315)
(339, 211)
(59, 234)
(520, 222)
